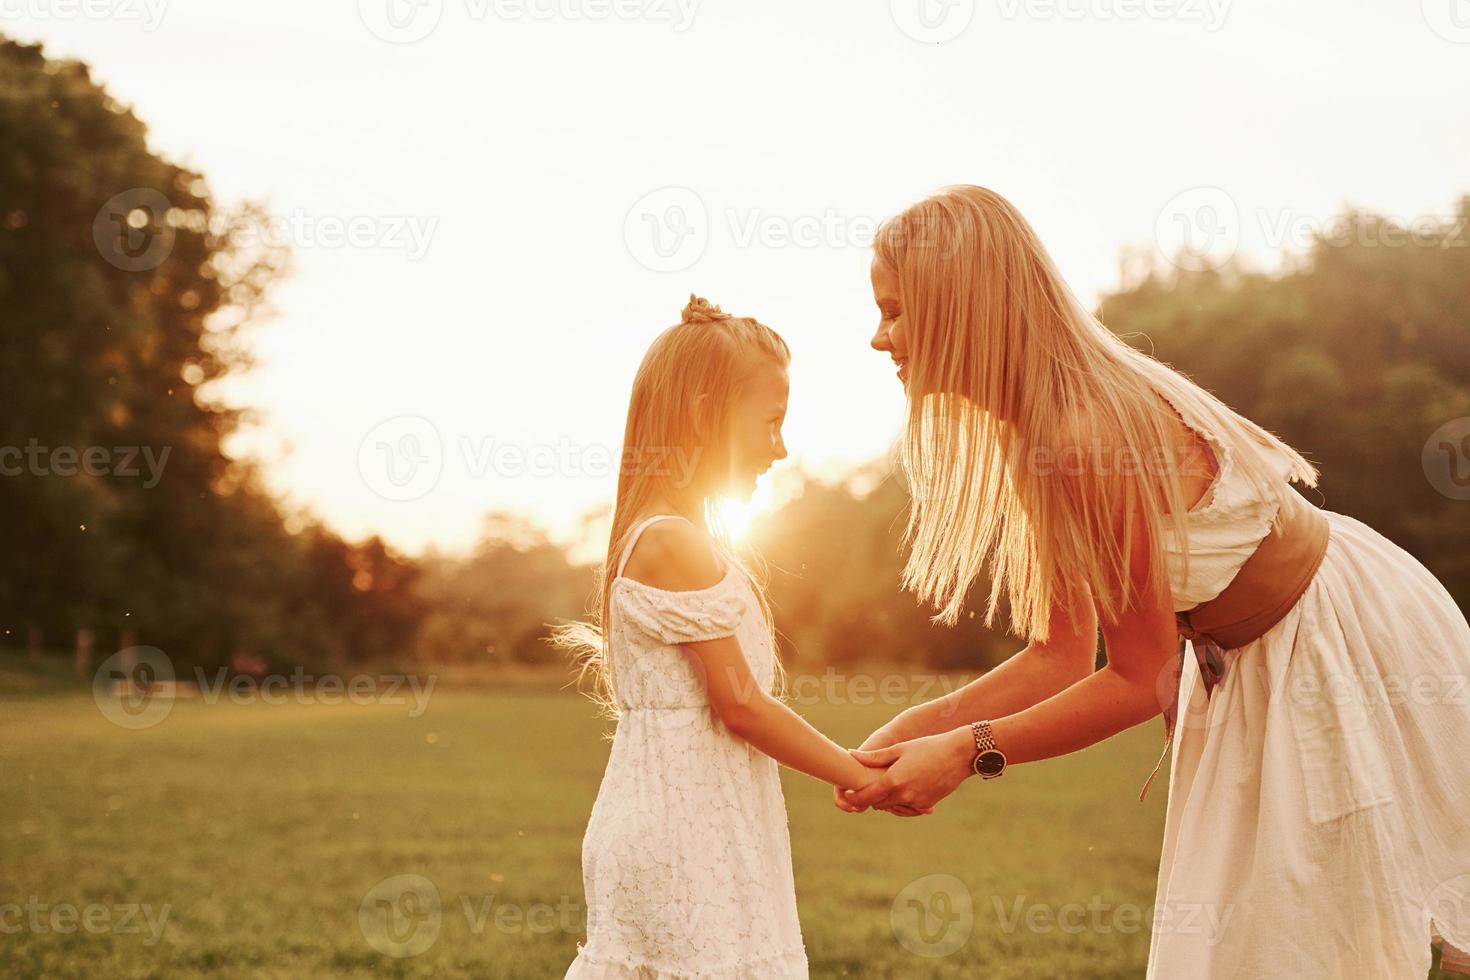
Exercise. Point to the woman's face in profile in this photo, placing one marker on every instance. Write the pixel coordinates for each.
(891, 338)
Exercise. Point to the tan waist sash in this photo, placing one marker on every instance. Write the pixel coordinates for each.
(1260, 595)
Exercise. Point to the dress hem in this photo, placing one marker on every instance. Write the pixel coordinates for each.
(586, 967)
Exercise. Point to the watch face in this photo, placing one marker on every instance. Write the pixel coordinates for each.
(989, 763)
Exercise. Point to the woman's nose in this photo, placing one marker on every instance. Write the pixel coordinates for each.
(780, 448)
(880, 340)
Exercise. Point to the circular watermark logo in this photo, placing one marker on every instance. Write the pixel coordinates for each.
(401, 458)
(401, 916)
(932, 21)
(1450, 19)
(667, 230)
(933, 916)
(131, 687)
(400, 21)
(131, 230)
(1446, 459)
(1198, 229)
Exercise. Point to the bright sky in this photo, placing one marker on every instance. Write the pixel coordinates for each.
(530, 189)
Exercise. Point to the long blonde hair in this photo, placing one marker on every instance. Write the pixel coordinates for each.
(675, 448)
(1007, 367)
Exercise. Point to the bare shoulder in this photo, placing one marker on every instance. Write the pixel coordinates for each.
(675, 556)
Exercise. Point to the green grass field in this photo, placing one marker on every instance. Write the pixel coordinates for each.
(260, 830)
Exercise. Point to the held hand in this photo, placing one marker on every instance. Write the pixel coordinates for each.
(920, 772)
(880, 739)
(876, 774)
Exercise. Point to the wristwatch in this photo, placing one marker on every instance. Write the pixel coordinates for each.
(989, 760)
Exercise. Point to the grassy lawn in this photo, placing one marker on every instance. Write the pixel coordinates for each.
(261, 830)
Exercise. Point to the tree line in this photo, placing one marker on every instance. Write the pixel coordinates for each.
(126, 290)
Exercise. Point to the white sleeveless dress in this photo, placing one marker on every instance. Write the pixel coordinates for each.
(1319, 799)
(686, 862)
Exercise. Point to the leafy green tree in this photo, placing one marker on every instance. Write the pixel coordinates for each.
(124, 291)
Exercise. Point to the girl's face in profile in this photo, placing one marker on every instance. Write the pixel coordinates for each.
(891, 337)
(756, 417)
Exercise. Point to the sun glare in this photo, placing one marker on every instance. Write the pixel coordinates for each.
(739, 516)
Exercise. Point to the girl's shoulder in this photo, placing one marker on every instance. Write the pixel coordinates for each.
(678, 588)
(675, 556)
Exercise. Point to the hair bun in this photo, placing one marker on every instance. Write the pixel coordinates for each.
(701, 310)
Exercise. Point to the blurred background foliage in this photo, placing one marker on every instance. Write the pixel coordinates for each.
(1354, 353)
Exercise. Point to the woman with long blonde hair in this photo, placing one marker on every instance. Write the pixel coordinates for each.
(686, 862)
(1318, 824)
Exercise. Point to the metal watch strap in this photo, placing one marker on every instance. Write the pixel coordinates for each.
(984, 738)
(986, 751)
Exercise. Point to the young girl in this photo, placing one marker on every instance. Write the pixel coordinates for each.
(687, 862)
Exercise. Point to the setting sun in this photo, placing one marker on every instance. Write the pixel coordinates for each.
(739, 516)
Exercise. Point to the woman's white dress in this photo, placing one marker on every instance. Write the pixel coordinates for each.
(1319, 800)
(686, 863)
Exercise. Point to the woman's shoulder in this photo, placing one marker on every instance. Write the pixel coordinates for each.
(1104, 454)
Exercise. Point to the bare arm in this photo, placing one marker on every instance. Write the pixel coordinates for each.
(1034, 674)
(677, 557)
(755, 716)
(1142, 645)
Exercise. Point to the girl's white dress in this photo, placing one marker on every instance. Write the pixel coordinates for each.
(686, 862)
(1319, 800)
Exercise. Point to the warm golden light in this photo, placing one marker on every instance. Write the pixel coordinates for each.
(739, 515)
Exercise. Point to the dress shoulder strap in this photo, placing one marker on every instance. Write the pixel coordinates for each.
(637, 532)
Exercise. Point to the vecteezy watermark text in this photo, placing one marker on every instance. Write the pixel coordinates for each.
(403, 916)
(136, 230)
(896, 689)
(1098, 916)
(93, 918)
(147, 13)
(38, 460)
(1203, 227)
(299, 687)
(410, 21)
(403, 458)
(137, 687)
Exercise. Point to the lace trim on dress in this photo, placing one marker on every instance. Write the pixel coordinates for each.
(788, 964)
(683, 617)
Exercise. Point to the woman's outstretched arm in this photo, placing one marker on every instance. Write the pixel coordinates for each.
(1031, 676)
(1141, 646)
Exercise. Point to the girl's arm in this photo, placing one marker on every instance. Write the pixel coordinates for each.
(756, 717)
(676, 557)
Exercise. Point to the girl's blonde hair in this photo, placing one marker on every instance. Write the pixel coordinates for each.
(676, 447)
(1009, 377)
